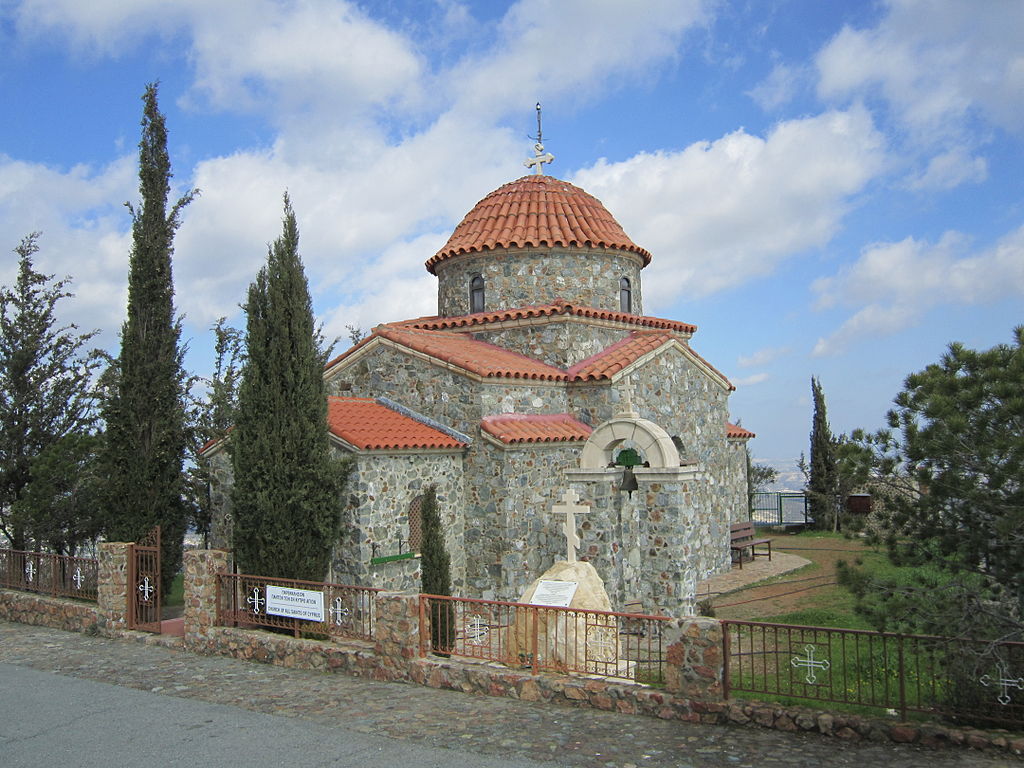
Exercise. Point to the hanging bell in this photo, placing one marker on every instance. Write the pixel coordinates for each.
(628, 482)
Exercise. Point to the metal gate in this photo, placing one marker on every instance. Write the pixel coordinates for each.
(144, 583)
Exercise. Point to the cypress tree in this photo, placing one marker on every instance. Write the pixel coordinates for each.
(822, 473)
(286, 498)
(144, 410)
(435, 572)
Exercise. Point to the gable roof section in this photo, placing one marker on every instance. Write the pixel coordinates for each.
(735, 432)
(535, 428)
(613, 359)
(556, 308)
(463, 351)
(368, 424)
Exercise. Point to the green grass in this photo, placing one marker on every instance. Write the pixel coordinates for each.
(177, 594)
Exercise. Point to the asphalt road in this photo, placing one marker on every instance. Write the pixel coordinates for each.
(50, 719)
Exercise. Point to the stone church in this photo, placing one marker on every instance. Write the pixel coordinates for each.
(539, 374)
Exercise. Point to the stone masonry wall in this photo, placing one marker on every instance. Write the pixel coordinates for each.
(521, 277)
(377, 512)
(45, 611)
(559, 341)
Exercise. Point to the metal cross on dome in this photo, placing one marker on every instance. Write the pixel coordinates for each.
(539, 155)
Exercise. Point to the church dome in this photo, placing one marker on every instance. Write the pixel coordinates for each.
(537, 211)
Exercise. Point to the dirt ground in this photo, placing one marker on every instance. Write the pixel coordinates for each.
(812, 586)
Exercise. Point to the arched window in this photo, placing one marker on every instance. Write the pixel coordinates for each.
(415, 524)
(476, 294)
(625, 296)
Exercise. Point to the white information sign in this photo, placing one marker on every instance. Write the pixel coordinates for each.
(557, 594)
(295, 603)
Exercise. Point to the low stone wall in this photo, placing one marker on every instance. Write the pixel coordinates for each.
(44, 611)
(693, 670)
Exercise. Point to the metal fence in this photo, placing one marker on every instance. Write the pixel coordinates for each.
(249, 601)
(48, 574)
(564, 640)
(967, 679)
(778, 508)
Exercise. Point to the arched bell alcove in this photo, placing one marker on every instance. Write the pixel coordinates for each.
(651, 441)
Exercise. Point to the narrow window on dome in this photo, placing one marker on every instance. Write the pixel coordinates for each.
(476, 294)
(625, 296)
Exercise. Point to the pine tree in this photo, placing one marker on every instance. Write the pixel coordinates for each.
(211, 418)
(46, 401)
(435, 572)
(286, 498)
(821, 481)
(144, 411)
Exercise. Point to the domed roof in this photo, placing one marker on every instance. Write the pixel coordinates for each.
(536, 210)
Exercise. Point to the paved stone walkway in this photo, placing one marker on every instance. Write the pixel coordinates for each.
(447, 719)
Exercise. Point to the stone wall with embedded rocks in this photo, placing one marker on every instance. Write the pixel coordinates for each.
(521, 277)
(560, 341)
(375, 521)
(45, 611)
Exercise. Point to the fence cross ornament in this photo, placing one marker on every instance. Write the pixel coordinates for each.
(477, 631)
(30, 571)
(811, 663)
(1005, 683)
(340, 612)
(146, 589)
(78, 578)
(255, 600)
(569, 508)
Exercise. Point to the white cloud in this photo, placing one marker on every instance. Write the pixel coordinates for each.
(749, 381)
(949, 170)
(718, 214)
(762, 357)
(83, 225)
(778, 89)
(570, 49)
(936, 65)
(896, 283)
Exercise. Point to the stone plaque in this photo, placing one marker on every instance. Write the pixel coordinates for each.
(557, 594)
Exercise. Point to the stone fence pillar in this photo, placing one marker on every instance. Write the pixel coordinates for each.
(112, 587)
(200, 590)
(397, 632)
(694, 665)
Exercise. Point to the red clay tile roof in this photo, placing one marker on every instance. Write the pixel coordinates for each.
(369, 425)
(533, 211)
(613, 359)
(535, 428)
(557, 307)
(731, 430)
(464, 351)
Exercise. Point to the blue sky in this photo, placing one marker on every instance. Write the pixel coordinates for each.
(828, 188)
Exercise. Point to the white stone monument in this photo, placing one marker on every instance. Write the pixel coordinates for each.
(578, 641)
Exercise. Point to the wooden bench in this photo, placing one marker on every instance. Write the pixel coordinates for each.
(741, 538)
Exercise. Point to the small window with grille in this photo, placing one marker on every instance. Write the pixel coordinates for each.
(415, 524)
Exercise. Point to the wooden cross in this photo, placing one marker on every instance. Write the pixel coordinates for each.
(569, 508)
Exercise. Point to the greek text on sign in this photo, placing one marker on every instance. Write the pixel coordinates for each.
(557, 594)
(305, 604)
